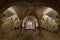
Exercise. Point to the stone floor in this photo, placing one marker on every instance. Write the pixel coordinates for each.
(30, 35)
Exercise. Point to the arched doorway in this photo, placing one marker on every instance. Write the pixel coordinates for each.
(30, 22)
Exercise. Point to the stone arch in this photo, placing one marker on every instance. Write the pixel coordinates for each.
(41, 6)
(35, 5)
(32, 19)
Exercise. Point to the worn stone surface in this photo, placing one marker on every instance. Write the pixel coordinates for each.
(16, 35)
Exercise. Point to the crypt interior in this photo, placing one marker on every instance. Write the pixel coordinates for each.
(29, 21)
